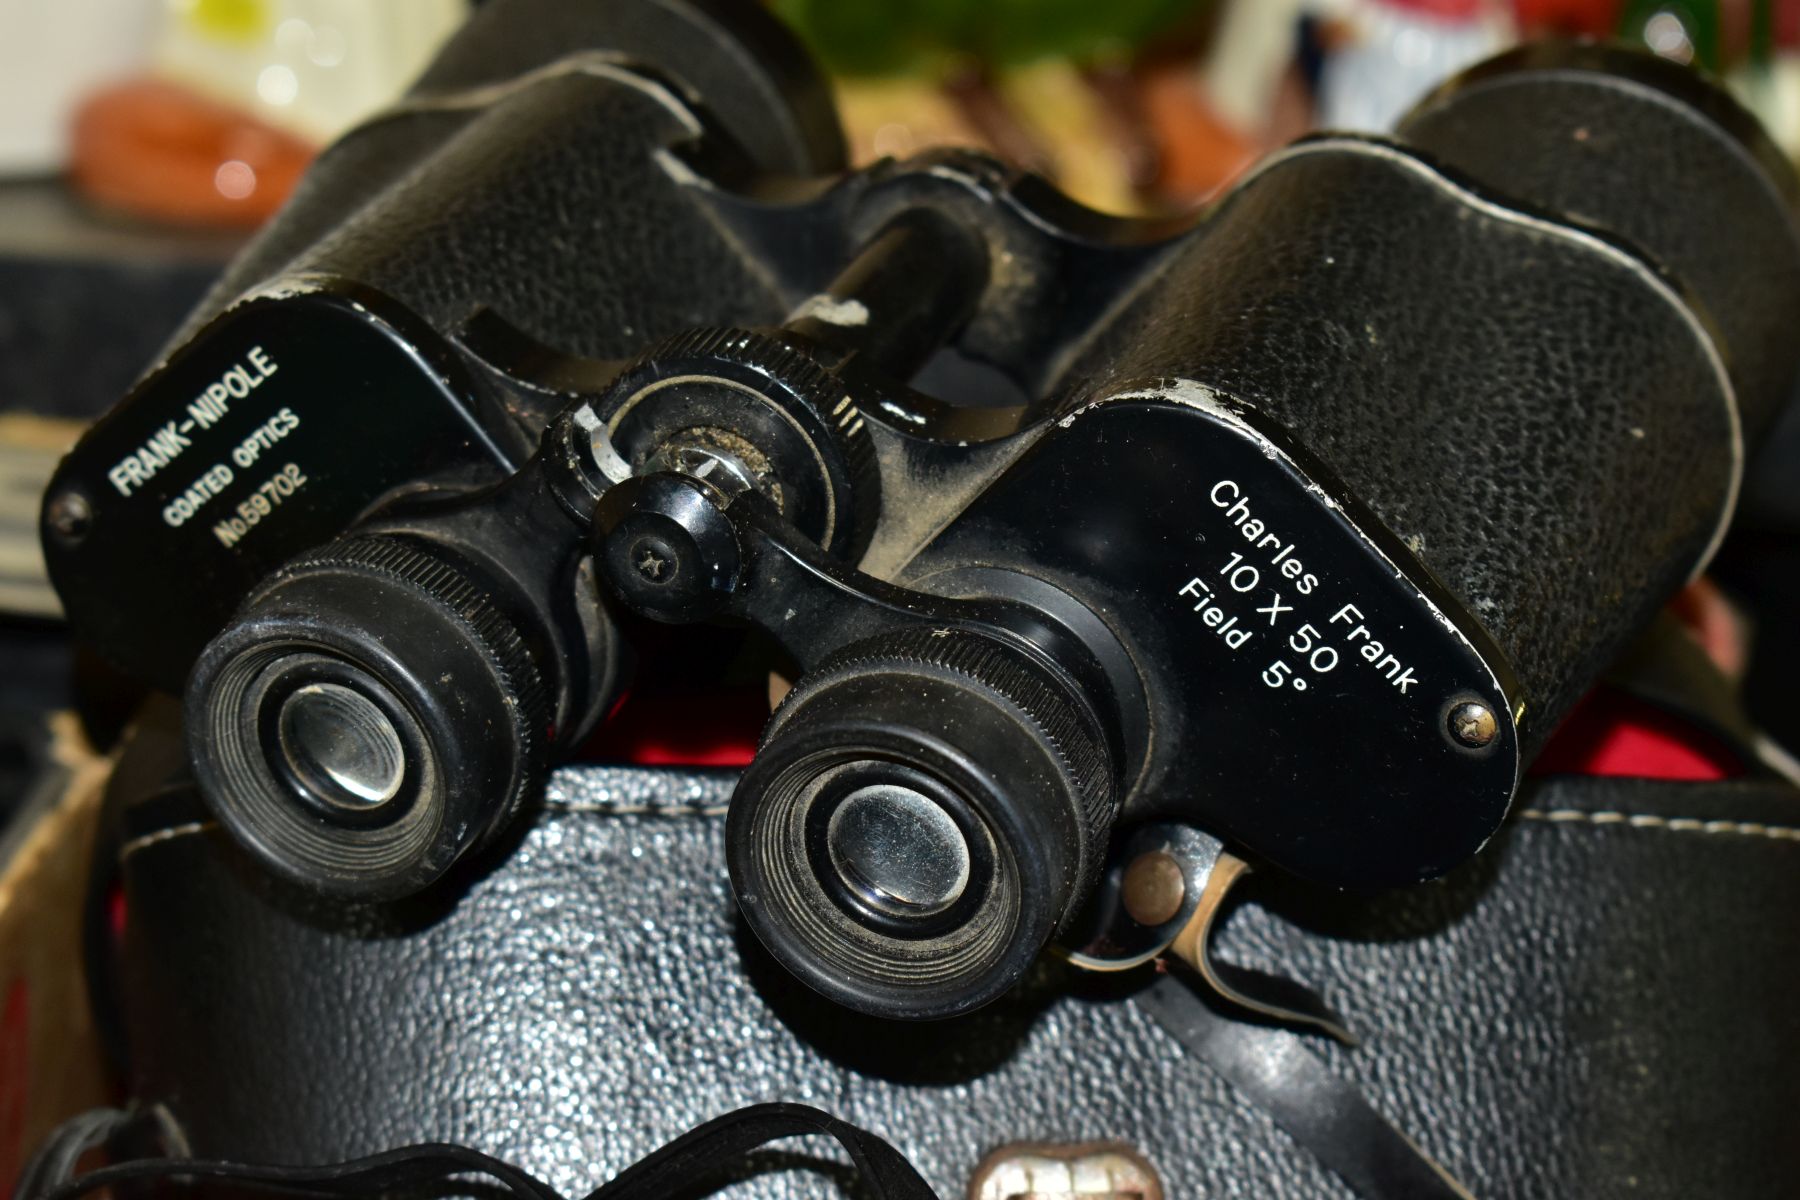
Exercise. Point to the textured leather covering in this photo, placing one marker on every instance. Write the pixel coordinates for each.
(1600, 1005)
(500, 226)
(600, 276)
(761, 86)
(1347, 288)
(1515, 129)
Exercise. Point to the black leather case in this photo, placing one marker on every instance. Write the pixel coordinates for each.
(1601, 1005)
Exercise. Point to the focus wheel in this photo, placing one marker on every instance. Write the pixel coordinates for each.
(767, 404)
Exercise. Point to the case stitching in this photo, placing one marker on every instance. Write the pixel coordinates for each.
(1758, 829)
(145, 841)
(1553, 816)
(636, 810)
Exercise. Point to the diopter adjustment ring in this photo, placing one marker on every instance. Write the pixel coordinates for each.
(946, 746)
(791, 422)
(367, 718)
(1063, 722)
(489, 630)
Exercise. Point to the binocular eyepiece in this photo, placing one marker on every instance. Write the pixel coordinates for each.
(1300, 525)
(924, 811)
(368, 718)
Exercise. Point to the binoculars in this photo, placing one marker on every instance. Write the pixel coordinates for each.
(1299, 522)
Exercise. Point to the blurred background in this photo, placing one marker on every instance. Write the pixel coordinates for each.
(141, 141)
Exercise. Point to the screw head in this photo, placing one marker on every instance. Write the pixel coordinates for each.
(1473, 724)
(1153, 888)
(653, 560)
(69, 516)
(667, 548)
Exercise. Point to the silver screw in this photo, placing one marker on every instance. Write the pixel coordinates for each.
(70, 515)
(1473, 724)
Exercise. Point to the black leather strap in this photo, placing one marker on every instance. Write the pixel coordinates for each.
(1323, 1113)
(55, 1160)
(409, 1168)
(698, 1154)
(690, 1159)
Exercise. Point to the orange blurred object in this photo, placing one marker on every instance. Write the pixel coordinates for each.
(1199, 151)
(1571, 18)
(163, 152)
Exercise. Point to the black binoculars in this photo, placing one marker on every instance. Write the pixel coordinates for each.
(1300, 522)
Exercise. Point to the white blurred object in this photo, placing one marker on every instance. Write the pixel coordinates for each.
(51, 57)
(1252, 48)
(1772, 92)
(1398, 50)
(313, 67)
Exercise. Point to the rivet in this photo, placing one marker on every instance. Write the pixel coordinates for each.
(1473, 724)
(1153, 888)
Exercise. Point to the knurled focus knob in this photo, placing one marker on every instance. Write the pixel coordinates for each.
(367, 718)
(789, 424)
(925, 811)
